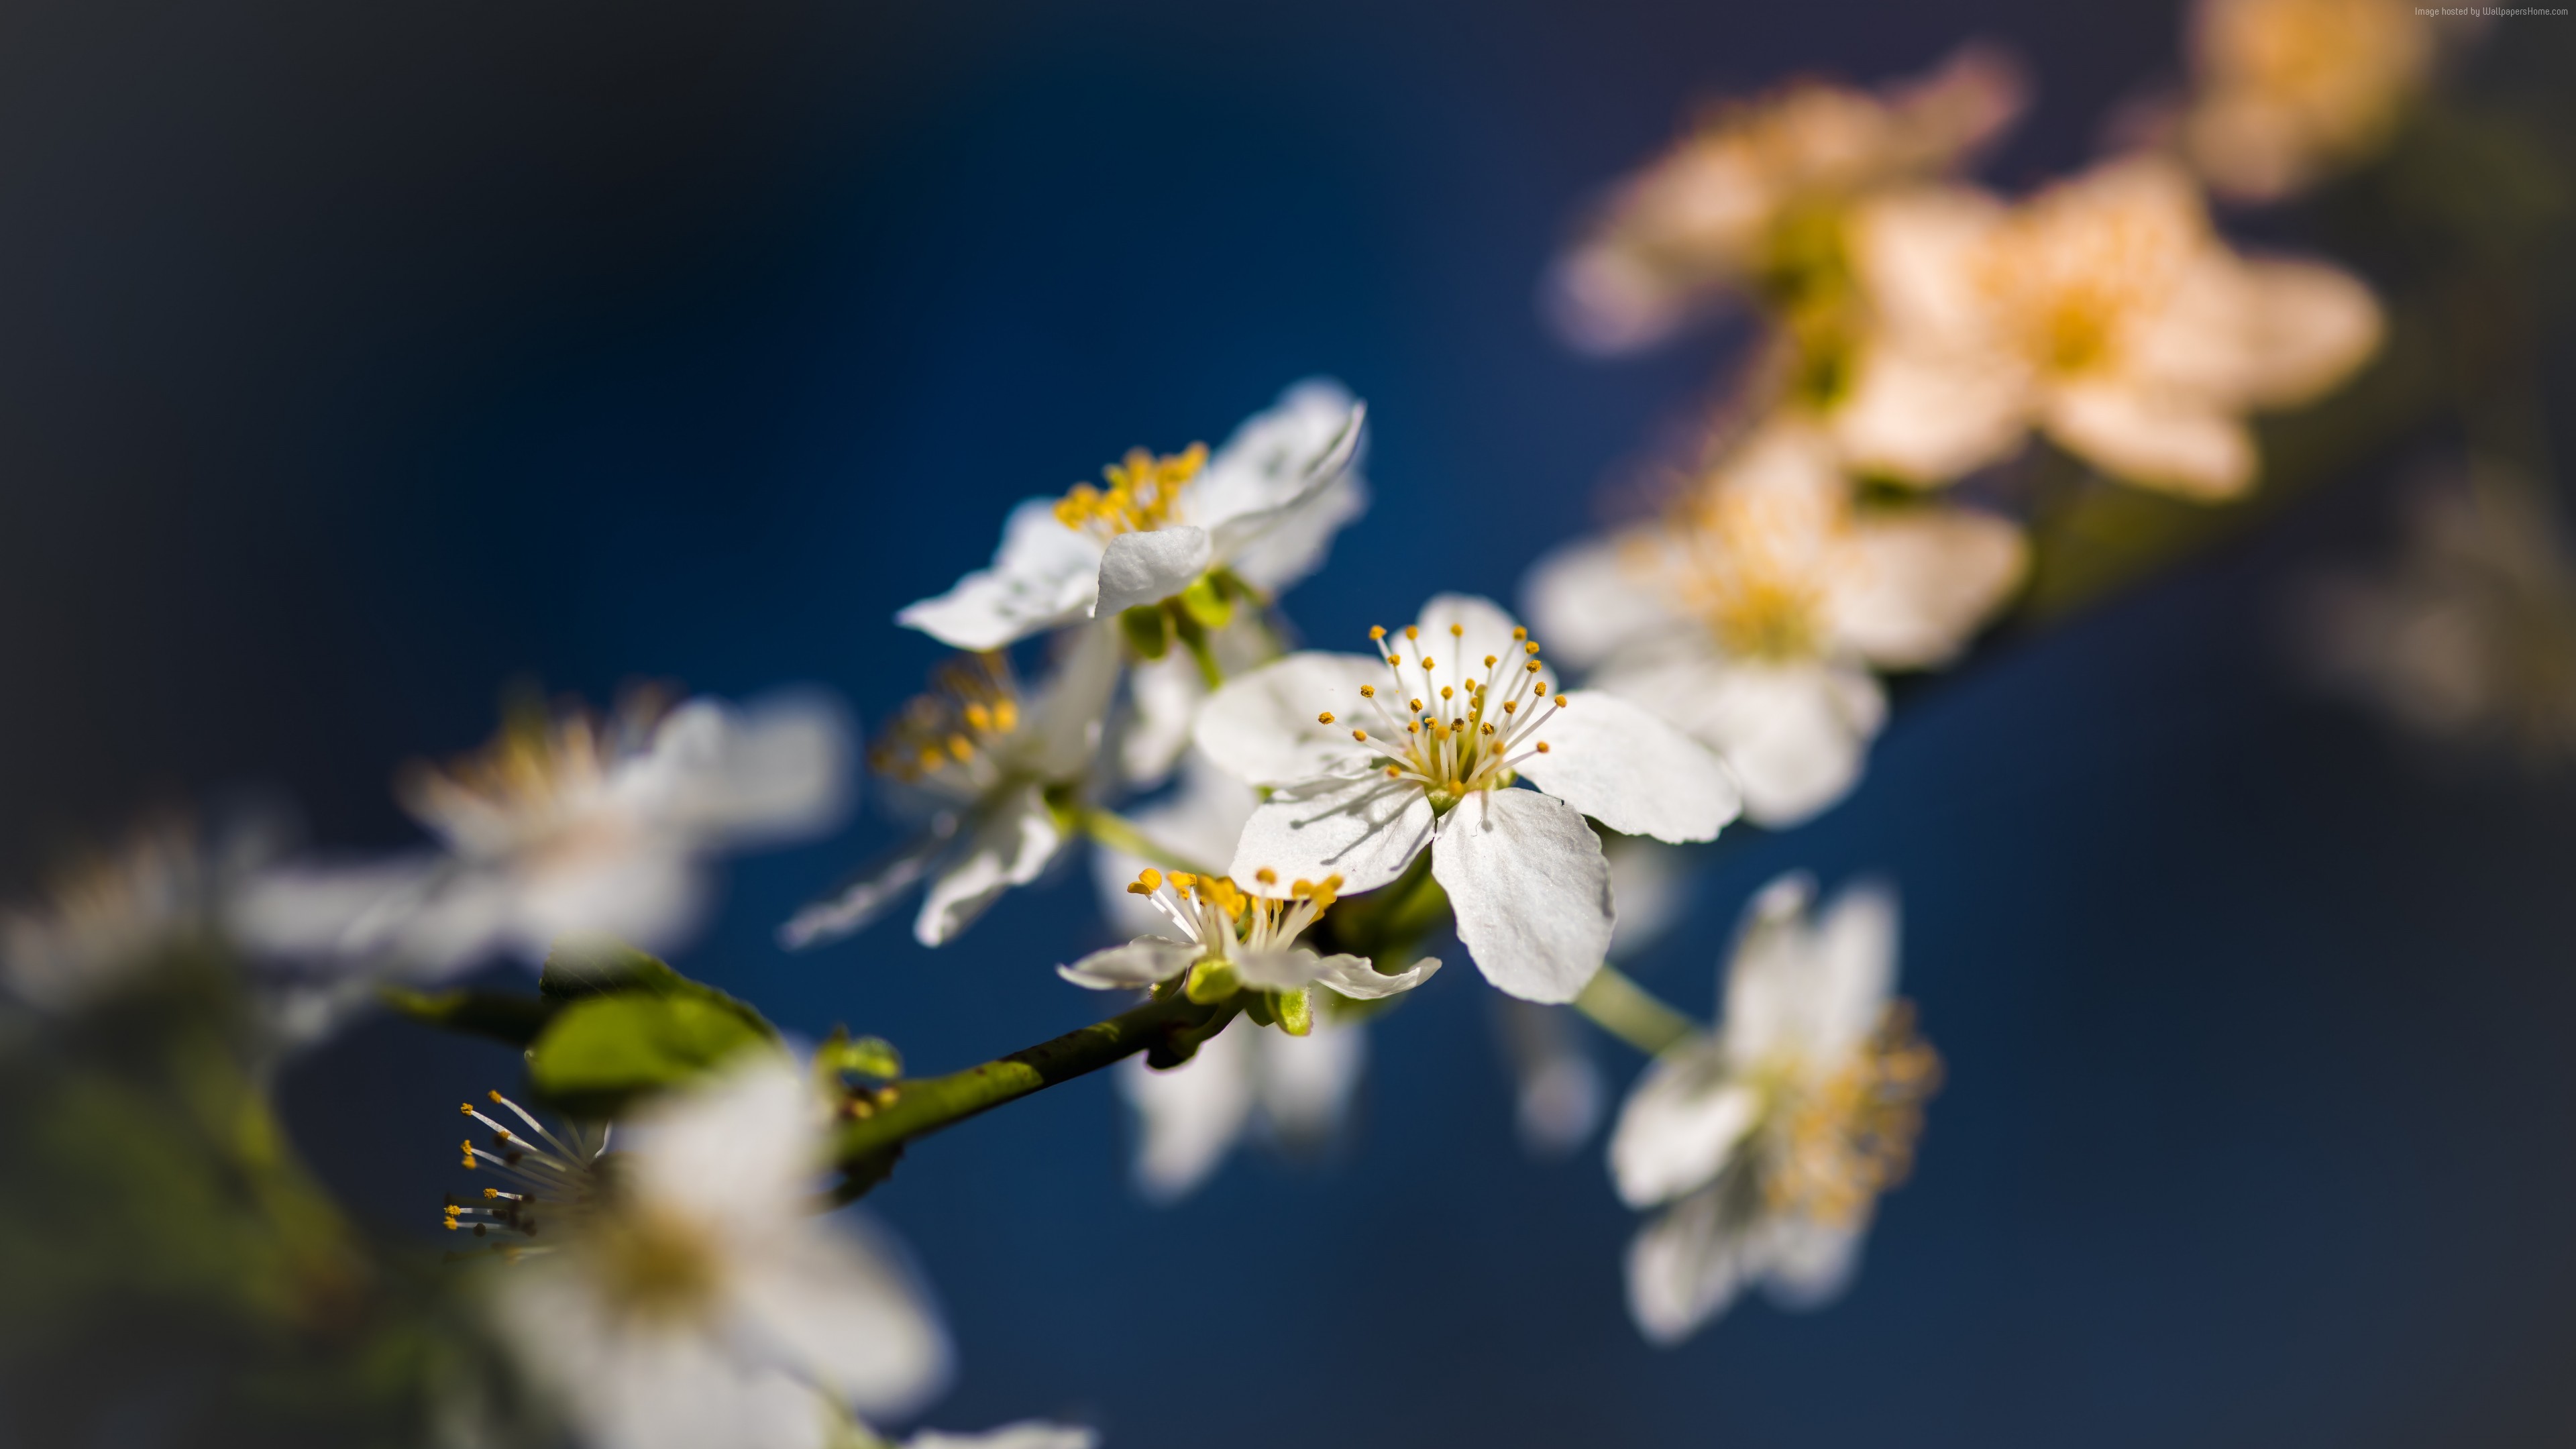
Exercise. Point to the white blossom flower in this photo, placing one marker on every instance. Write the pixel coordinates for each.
(1230, 940)
(1753, 618)
(1164, 695)
(2469, 634)
(1753, 198)
(988, 774)
(2287, 91)
(1294, 1091)
(1263, 509)
(1772, 1138)
(1419, 753)
(112, 918)
(565, 824)
(683, 1293)
(1030, 1434)
(2105, 311)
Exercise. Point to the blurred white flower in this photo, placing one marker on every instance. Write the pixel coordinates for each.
(1411, 754)
(568, 824)
(1294, 1090)
(1264, 508)
(1753, 617)
(690, 1297)
(2470, 633)
(1028, 1435)
(987, 772)
(1772, 1138)
(2105, 311)
(112, 917)
(1753, 198)
(1164, 695)
(2287, 91)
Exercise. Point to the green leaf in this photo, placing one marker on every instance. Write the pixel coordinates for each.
(601, 1053)
(586, 964)
(1207, 603)
(502, 1015)
(1148, 631)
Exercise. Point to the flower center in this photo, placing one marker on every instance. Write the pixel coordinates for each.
(652, 1264)
(551, 1177)
(1753, 568)
(1143, 491)
(1221, 918)
(536, 776)
(1837, 1144)
(1462, 726)
(948, 733)
(2073, 275)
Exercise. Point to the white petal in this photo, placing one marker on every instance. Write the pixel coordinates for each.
(1063, 732)
(2176, 442)
(1807, 1264)
(1278, 457)
(1008, 846)
(851, 907)
(1293, 544)
(1305, 1083)
(1164, 695)
(1530, 890)
(1680, 1126)
(1145, 961)
(742, 1150)
(1365, 829)
(1620, 764)
(1922, 580)
(1650, 887)
(1359, 979)
(1145, 568)
(1289, 969)
(1587, 599)
(1044, 575)
(1485, 628)
(1199, 824)
(1794, 735)
(830, 1301)
(1684, 1268)
(1926, 416)
(1855, 954)
(1772, 987)
(1262, 726)
(1559, 1091)
(1192, 1114)
(772, 771)
(1030, 1434)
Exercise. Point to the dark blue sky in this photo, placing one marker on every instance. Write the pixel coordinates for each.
(353, 365)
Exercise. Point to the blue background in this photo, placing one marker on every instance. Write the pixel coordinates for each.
(355, 364)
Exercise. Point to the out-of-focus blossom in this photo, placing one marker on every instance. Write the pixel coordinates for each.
(1164, 695)
(1753, 617)
(113, 917)
(1418, 748)
(692, 1296)
(568, 824)
(1028, 1435)
(2287, 91)
(1263, 509)
(1753, 198)
(2470, 634)
(987, 771)
(1231, 940)
(2104, 311)
(1772, 1138)
(1295, 1090)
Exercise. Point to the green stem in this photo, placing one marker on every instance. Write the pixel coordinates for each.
(1196, 640)
(906, 1110)
(1120, 833)
(1633, 1014)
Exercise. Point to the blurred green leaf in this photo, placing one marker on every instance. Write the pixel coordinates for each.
(583, 965)
(502, 1015)
(600, 1054)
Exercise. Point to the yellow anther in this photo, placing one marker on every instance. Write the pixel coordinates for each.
(1368, 691)
(1486, 728)
(1398, 663)
(1411, 632)
(1510, 705)
(1532, 666)
(1491, 661)
(1149, 878)
(1182, 880)
(979, 718)
(1393, 773)
(1430, 663)
(1542, 747)
(497, 1099)
(465, 1107)
(1417, 705)
(1520, 633)
(1359, 734)
(491, 1194)
(1530, 648)
(1457, 631)
(1325, 718)
(469, 1151)
(1446, 691)
(1377, 631)
(1267, 876)
(961, 747)
(1560, 701)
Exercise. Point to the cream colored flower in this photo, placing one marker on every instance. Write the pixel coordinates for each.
(1753, 618)
(1753, 198)
(985, 770)
(1772, 1138)
(1292, 1091)
(1423, 747)
(1264, 508)
(692, 1297)
(113, 918)
(2287, 91)
(2104, 311)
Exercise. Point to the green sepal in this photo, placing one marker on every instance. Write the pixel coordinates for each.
(1294, 1011)
(1148, 630)
(1212, 981)
(501, 1015)
(867, 1056)
(1207, 603)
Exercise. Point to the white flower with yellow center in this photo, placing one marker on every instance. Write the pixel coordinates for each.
(112, 918)
(1754, 198)
(2104, 311)
(1264, 508)
(567, 824)
(684, 1292)
(1753, 618)
(986, 770)
(2287, 91)
(1372, 761)
(1231, 941)
(1772, 1138)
